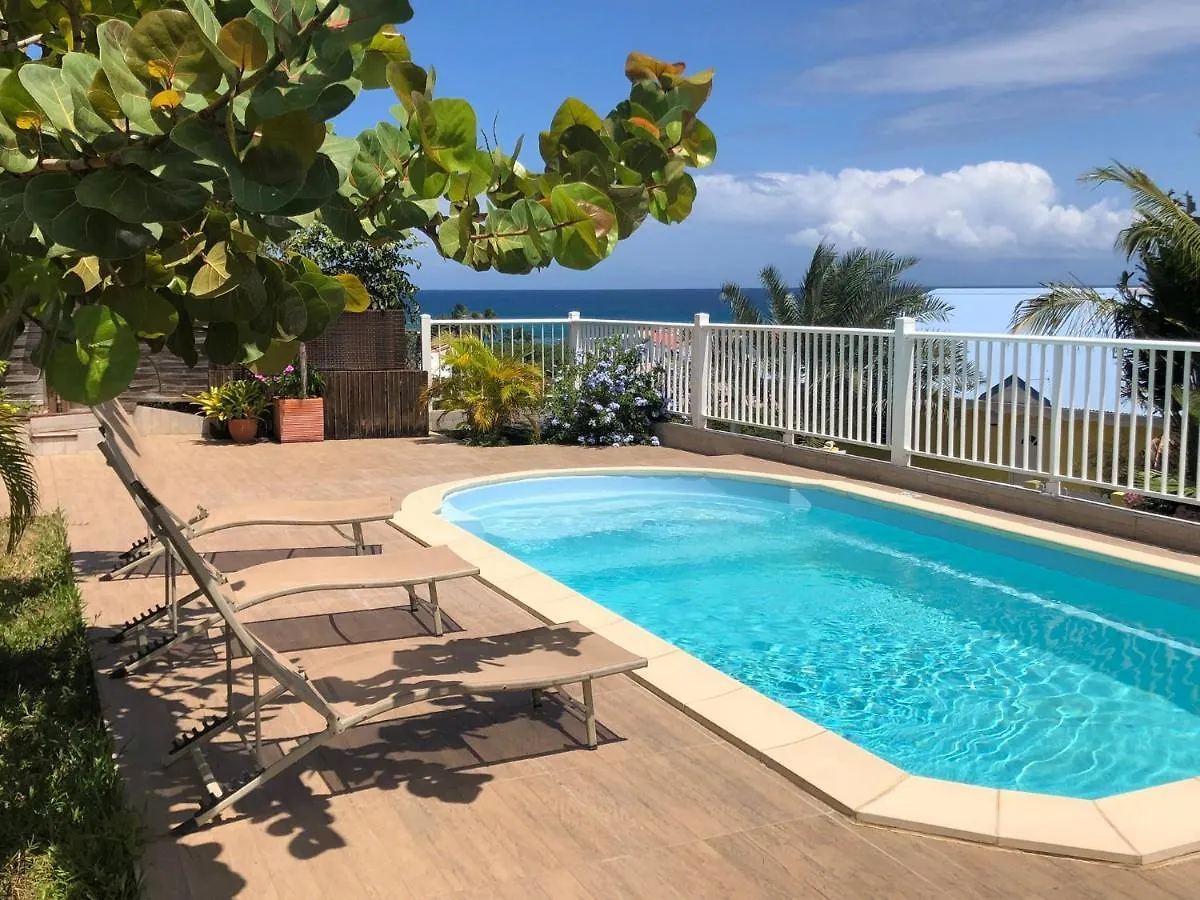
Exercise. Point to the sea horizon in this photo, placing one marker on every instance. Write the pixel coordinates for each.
(982, 309)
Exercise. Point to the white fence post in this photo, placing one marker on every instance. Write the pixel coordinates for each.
(1054, 485)
(900, 394)
(574, 335)
(427, 346)
(699, 380)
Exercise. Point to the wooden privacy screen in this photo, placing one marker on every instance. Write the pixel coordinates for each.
(375, 403)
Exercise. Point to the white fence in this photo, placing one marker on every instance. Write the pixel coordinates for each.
(1109, 414)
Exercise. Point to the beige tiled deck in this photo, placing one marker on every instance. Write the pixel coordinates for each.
(483, 799)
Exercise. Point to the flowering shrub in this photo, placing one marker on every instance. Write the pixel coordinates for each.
(287, 384)
(608, 398)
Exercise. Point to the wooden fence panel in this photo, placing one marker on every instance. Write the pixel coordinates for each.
(375, 404)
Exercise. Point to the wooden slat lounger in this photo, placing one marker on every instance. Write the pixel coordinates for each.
(372, 680)
(269, 581)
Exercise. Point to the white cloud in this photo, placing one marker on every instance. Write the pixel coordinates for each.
(994, 209)
(1086, 44)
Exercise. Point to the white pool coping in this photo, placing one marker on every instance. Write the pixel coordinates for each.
(1135, 828)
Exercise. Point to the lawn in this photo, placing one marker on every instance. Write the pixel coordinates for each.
(65, 828)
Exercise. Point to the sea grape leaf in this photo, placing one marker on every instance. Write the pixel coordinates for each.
(101, 360)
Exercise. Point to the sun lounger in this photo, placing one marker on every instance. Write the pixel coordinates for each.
(355, 685)
(270, 581)
(352, 513)
(122, 437)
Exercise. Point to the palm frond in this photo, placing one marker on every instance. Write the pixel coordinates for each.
(785, 309)
(812, 289)
(743, 309)
(1159, 217)
(16, 470)
(1066, 309)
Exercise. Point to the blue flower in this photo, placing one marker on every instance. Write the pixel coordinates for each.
(654, 442)
(614, 406)
(598, 407)
(581, 439)
(640, 401)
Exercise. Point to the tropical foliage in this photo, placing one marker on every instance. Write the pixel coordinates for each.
(609, 398)
(382, 268)
(16, 466)
(494, 393)
(150, 157)
(239, 399)
(859, 288)
(1164, 304)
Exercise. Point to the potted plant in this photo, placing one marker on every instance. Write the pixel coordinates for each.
(237, 405)
(299, 404)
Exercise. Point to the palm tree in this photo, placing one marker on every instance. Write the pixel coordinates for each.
(16, 467)
(860, 288)
(494, 393)
(1164, 237)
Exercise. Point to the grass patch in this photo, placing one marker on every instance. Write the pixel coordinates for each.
(65, 829)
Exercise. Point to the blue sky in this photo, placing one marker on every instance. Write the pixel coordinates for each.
(951, 129)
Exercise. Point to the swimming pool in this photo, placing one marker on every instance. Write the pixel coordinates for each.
(952, 651)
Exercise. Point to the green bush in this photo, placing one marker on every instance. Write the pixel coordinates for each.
(608, 398)
(65, 829)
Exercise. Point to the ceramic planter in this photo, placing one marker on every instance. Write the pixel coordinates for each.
(243, 431)
(300, 419)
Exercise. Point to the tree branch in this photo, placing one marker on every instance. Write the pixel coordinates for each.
(21, 44)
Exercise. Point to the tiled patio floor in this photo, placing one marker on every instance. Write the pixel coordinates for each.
(484, 799)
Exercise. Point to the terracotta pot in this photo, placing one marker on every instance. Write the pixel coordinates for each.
(243, 431)
(299, 419)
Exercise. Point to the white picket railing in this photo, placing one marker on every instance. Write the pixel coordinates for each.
(1110, 414)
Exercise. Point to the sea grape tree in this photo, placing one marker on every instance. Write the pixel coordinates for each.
(151, 153)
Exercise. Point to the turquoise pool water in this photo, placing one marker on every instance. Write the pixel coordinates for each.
(955, 652)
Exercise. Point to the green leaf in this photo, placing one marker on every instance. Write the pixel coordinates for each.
(242, 43)
(446, 129)
(291, 313)
(47, 195)
(574, 112)
(17, 155)
(277, 357)
(699, 144)
(52, 93)
(386, 47)
(672, 201)
(406, 79)
(182, 341)
(167, 45)
(324, 299)
(130, 93)
(535, 220)
(426, 179)
(213, 278)
(320, 184)
(183, 252)
(134, 195)
(357, 299)
(222, 343)
(80, 73)
(15, 100)
(94, 232)
(149, 314)
(631, 205)
(101, 361)
(589, 232)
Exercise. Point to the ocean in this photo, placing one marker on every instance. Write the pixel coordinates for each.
(976, 309)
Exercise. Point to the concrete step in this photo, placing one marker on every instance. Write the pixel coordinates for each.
(60, 422)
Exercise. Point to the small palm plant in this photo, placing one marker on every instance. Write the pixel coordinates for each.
(494, 393)
(16, 466)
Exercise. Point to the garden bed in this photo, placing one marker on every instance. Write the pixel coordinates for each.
(65, 828)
